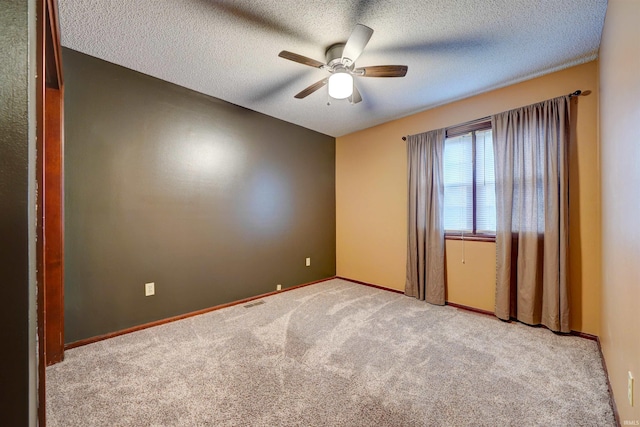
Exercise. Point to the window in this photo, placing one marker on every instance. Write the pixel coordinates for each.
(469, 181)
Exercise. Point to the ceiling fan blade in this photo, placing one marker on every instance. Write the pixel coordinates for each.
(300, 59)
(314, 87)
(383, 71)
(356, 43)
(355, 96)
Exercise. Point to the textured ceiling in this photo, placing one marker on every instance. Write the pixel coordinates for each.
(229, 49)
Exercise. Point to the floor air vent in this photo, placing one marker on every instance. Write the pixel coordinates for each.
(253, 304)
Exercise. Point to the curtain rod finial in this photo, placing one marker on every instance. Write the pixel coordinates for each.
(404, 138)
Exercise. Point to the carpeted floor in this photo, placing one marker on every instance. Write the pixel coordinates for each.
(332, 354)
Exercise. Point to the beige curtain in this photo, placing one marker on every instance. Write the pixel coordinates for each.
(530, 149)
(425, 243)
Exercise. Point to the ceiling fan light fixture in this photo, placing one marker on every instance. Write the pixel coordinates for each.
(341, 59)
(340, 85)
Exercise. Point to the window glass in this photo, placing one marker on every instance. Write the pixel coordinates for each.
(458, 184)
(485, 184)
(463, 160)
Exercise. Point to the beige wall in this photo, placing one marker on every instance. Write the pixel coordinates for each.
(620, 141)
(371, 216)
(471, 273)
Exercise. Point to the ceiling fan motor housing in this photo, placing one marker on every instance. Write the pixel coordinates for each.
(334, 55)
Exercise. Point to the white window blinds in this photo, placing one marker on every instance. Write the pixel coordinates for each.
(469, 184)
(458, 184)
(485, 184)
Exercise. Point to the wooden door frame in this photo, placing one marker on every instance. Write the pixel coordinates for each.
(50, 194)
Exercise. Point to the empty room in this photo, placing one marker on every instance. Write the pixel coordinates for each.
(344, 213)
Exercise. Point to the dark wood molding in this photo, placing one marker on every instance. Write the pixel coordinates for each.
(371, 285)
(474, 182)
(53, 228)
(49, 200)
(585, 336)
(114, 334)
(452, 304)
(612, 401)
(470, 237)
(53, 59)
(471, 309)
(41, 31)
(472, 126)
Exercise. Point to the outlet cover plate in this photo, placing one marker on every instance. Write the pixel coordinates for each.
(149, 289)
(308, 262)
(630, 389)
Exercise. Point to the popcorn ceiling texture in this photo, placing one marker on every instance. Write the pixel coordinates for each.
(332, 354)
(228, 49)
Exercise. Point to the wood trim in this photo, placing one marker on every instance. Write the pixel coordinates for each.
(114, 334)
(612, 401)
(49, 125)
(464, 128)
(371, 285)
(476, 310)
(586, 336)
(452, 304)
(41, 31)
(470, 237)
(53, 211)
(474, 181)
(471, 309)
(53, 58)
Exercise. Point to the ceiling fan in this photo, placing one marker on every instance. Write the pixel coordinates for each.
(341, 58)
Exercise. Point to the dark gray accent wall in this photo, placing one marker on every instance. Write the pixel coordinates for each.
(211, 201)
(17, 333)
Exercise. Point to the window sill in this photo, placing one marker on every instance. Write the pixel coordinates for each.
(471, 237)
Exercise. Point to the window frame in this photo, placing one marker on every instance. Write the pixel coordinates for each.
(459, 130)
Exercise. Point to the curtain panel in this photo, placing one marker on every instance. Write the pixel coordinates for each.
(532, 197)
(425, 243)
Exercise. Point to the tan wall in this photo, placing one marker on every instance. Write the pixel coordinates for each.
(471, 273)
(371, 187)
(620, 141)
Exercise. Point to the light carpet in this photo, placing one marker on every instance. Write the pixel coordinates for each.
(332, 354)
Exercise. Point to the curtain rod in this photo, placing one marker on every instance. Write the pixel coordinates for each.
(576, 93)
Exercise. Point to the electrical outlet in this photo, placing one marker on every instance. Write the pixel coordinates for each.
(630, 388)
(149, 289)
(308, 262)
(278, 287)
